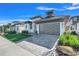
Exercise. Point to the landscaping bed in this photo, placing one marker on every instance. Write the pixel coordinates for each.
(15, 36)
(68, 44)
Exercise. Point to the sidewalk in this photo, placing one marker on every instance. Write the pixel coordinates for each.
(8, 48)
(33, 48)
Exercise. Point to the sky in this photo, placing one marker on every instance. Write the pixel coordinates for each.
(23, 11)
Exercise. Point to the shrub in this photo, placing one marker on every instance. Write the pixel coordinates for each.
(69, 40)
(24, 32)
(73, 41)
(11, 32)
(73, 33)
(62, 39)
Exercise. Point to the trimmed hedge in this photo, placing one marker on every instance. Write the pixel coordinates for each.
(11, 32)
(24, 32)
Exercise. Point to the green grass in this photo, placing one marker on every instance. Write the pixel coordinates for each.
(15, 37)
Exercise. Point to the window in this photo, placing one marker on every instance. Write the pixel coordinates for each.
(72, 28)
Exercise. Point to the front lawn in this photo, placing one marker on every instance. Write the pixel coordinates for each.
(15, 37)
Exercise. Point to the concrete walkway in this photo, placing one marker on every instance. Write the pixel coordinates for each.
(8, 48)
(33, 48)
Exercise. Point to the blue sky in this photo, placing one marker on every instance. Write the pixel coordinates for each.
(23, 11)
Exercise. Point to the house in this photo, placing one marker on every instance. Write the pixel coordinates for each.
(74, 23)
(17, 26)
(21, 26)
(51, 24)
(54, 25)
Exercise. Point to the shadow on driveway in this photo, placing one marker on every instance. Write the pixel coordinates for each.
(44, 40)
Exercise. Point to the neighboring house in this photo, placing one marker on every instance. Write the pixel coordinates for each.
(74, 23)
(21, 26)
(18, 26)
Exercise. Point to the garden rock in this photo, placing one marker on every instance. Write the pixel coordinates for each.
(66, 50)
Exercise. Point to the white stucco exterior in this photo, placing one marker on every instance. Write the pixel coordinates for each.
(77, 26)
(62, 28)
(20, 28)
(37, 28)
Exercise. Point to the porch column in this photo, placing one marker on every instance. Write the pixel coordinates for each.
(37, 28)
(62, 28)
(33, 27)
(28, 27)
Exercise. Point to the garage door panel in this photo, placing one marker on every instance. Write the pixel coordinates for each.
(50, 28)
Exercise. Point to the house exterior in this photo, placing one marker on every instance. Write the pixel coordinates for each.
(52, 25)
(18, 27)
(49, 24)
(74, 23)
(21, 26)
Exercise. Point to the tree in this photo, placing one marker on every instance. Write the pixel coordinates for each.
(5, 28)
(50, 13)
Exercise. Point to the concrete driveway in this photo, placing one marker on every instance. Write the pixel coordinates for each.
(38, 44)
(43, 40)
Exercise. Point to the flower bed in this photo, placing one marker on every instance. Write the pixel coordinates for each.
(69, 39)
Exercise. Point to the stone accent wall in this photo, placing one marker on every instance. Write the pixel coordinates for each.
(50, 28)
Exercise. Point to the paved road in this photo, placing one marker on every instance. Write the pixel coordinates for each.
(8, 48)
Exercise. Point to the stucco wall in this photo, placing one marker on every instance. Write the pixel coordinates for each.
(20, 28)
(50, 28)
(78, 26)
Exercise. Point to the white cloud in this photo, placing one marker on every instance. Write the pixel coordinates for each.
(72, 7)
(48, 8)
(44, 8)
(11, 20)
(74, 4)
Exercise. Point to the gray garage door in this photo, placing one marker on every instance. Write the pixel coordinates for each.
(50, 28)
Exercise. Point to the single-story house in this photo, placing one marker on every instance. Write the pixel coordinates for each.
(17, 26)
(52, 25)
(21, 26)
